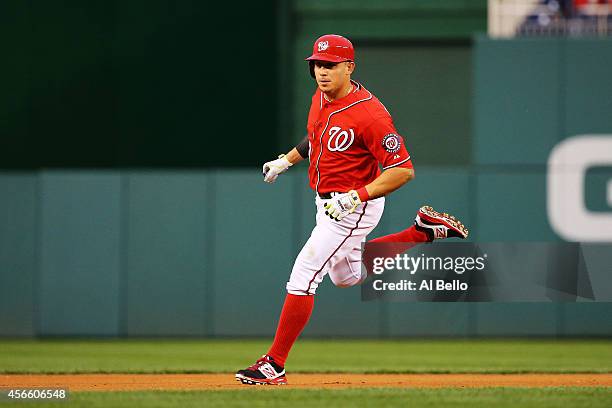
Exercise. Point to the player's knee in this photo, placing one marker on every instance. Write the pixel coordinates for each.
(346, 281)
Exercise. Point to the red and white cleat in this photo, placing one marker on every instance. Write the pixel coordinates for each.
(439, 225)
(265, 371)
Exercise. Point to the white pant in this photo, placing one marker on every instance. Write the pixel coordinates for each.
(334, 247)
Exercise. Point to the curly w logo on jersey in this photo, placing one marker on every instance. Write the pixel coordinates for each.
(340, 140)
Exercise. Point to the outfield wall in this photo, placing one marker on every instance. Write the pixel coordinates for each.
(203, 253)
(208, 254)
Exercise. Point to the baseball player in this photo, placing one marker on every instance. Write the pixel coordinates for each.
(350, 137)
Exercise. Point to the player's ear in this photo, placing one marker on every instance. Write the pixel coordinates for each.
(350, 65)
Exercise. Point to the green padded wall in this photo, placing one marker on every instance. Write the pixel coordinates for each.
(580, 318)
(187, 253)
(512, 207)
(516, 319)
(80, 254)
(167, 269)
(19, 207)
(531, 93)
(588, 87)
(517, 117)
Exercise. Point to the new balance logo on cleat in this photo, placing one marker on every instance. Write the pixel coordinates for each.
(439, 225)
(268, 370)
(265, 371)
(439, 232)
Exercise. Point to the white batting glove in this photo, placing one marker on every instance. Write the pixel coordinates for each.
(342, 205)
(273, 168)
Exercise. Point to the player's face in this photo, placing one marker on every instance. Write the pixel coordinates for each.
(332, 77)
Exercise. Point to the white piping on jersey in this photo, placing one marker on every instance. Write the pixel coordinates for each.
(325, 128)
(396, 164)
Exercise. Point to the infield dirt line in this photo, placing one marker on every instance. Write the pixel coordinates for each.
(133, 382)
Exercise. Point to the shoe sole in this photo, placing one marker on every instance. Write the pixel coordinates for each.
(252, 381)
(445, 218)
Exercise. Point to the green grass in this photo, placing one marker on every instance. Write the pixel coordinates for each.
(406, 356)
(381, 397)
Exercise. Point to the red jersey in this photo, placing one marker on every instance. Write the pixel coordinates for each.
(349, 138)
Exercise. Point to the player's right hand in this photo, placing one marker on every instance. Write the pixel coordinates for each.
(342, 205)
(273, 168)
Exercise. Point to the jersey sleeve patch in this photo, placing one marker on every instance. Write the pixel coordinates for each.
(392, 142)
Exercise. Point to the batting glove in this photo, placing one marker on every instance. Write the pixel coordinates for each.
(273, 168)
(342, 205)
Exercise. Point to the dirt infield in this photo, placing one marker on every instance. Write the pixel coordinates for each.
(132, 382)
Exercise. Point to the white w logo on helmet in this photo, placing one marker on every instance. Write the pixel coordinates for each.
(323, 45)
(340, 140)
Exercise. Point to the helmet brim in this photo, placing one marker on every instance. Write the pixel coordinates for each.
(326, 57)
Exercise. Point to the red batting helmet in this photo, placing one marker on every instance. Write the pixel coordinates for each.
(332, 48)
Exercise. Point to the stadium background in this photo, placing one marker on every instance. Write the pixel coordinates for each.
(132, 135)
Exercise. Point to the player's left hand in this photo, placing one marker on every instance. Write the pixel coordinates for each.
(342, 205)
